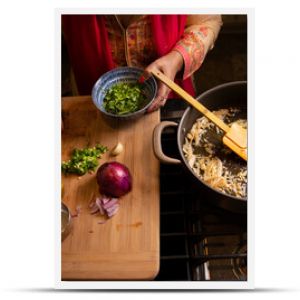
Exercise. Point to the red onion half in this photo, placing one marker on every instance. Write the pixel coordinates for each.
(114, 179)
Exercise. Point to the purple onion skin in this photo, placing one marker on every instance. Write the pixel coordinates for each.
(114, 179)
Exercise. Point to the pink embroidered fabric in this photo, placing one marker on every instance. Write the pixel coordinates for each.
(193, 49)
(134, 45)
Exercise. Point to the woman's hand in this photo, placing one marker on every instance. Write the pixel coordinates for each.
(169, 65)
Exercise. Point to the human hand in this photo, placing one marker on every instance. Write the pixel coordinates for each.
(169, 65)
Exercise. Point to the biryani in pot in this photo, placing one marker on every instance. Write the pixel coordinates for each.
(211, 160)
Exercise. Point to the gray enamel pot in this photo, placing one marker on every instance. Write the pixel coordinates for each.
(232, 94)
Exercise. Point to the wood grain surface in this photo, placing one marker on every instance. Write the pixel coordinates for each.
(126, 247)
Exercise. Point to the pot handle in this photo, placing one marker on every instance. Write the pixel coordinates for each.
(157, 143)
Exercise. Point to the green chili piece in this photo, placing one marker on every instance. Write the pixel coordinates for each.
(83, 160)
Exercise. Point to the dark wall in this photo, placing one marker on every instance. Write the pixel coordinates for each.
(227, 61)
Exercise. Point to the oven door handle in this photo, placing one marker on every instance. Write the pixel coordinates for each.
(157, 147)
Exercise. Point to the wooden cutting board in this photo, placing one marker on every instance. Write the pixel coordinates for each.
(126, 247)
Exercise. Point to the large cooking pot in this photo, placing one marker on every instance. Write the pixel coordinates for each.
(233, 94)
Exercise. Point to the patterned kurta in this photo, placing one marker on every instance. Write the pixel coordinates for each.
(133, 45)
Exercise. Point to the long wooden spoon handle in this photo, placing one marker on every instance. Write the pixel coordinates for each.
(192, 101)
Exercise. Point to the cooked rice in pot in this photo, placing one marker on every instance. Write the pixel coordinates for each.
(210, 160)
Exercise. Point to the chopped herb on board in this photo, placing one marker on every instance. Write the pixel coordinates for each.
(124, 98)
(83, 160)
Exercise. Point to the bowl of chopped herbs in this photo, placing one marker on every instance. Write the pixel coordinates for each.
(119, 94)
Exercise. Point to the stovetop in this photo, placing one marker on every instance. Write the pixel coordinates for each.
(198, 240)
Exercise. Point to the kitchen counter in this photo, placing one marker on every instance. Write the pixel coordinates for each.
(126, 247)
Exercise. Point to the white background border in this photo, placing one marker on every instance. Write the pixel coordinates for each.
(29, 130)
(170, 284)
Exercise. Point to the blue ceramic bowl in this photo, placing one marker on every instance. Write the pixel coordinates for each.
(123, 74)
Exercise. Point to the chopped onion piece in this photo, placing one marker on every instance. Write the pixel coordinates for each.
(99, 205)
(112, 202)
(105, 206)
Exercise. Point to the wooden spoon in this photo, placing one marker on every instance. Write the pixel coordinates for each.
(235, 136)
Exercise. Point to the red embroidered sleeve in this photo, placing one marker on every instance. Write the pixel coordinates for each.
(196, 42)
